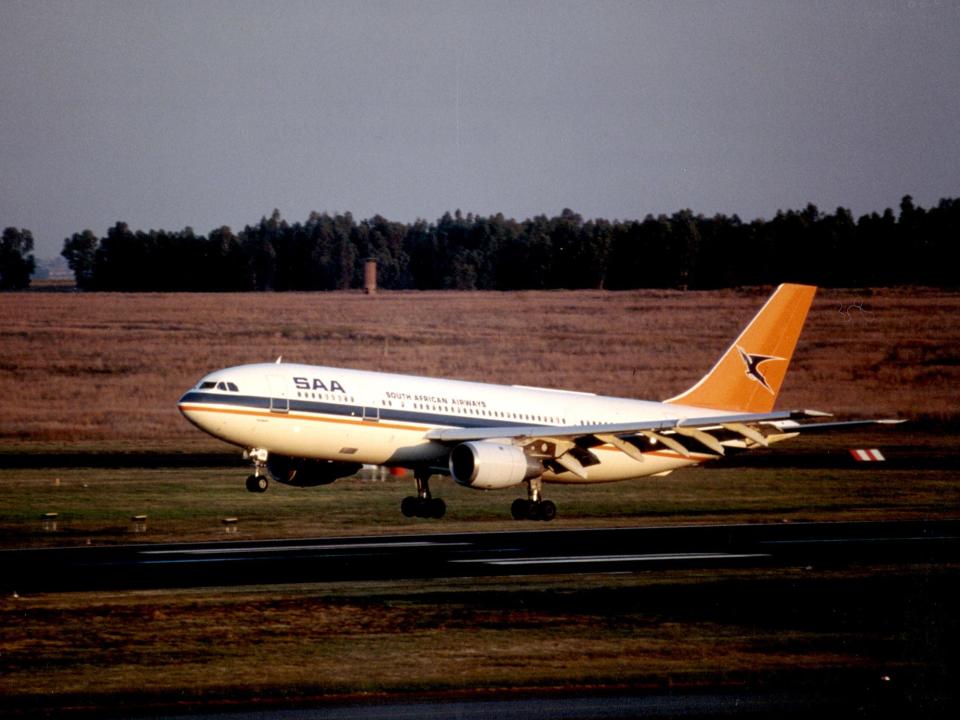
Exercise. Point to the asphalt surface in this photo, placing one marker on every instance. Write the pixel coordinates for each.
(477, 555)
(591, 707)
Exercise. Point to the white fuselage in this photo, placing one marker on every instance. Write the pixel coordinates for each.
(358, 416)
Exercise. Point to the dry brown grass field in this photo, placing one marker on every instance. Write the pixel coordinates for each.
(109, 367)
(92, 372)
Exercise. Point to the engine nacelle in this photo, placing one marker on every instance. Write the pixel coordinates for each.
(301, 472)
(491, 466)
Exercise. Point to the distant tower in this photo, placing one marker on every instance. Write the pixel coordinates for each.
(370, 277)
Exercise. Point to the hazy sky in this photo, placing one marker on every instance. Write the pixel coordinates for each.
(202, 113)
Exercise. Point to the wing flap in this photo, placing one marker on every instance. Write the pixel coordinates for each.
(747, 432)
(668, 441)
(702, 437)
(569, 462)
(621, 445)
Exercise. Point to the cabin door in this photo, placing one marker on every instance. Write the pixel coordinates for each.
(279, 400)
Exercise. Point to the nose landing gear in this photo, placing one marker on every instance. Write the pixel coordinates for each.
(257, 482)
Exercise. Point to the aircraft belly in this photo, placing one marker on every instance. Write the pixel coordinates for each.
(329, 439)
(615, 465)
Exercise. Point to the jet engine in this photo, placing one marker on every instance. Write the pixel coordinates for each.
(301, 472)
(491, 466)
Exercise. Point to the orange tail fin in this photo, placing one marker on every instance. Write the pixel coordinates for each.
(749, 375)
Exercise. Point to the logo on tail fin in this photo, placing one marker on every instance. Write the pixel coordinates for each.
(753, 363)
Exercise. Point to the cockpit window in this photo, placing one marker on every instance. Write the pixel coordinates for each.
(219, 385)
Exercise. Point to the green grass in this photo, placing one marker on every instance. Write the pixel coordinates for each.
(286, 644)
(94, 505)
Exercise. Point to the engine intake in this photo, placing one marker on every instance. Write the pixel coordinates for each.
(491, 466)
(301, 472)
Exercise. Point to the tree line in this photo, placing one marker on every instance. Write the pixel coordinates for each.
(682, 250)
(16, 259)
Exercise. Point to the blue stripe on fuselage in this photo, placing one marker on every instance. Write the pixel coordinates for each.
(249, 401)
(254, 402)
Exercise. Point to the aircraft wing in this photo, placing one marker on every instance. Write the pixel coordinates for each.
(570, 446)
(520, 432)
(794, 426)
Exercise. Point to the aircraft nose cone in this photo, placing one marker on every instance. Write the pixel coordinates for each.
(183, 402)
(186, 406)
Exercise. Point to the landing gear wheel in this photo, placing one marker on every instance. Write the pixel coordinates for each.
(533, 510)
(409, 506)
(520, 509)
(257, 483)
(529, 510)
(548, 511)
(423, 507)
(534, 507)
(436, 508)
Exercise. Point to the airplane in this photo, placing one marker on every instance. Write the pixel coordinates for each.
(306, 425)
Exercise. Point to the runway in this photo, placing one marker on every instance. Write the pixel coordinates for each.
(599, 706)
(477, 555)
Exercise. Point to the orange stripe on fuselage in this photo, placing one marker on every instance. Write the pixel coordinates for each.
(695, 457)
(300, 416)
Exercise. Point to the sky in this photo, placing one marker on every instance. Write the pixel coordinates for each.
(205, 113)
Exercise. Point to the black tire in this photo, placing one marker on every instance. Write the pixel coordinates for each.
(410, 506)
(520, 509)
(436, 508)
(548, 511)
(252, 484)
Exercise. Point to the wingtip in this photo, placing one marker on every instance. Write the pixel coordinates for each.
(813, 413)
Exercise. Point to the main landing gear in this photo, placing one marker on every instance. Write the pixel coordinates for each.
(423, 505)
(534, 507)
(257, 483)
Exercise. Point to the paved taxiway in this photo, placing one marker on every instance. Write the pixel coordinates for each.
(530, 552)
